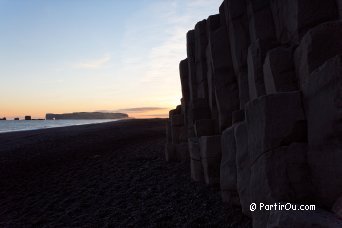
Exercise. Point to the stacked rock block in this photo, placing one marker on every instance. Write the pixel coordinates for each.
(262, 98)
(176, 148)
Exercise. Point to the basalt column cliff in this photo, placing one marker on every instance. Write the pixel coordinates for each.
(261, 109)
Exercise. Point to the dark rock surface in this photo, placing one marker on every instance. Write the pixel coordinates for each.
(225, 82)
(204, 127)
(261, 25)
(337, 208)
(317, 218)
(318, 45)
(274, 120)
(323, 92)
(195, 160)
(279, 71)
(279, 176)
(255, 60)
(243, 167)
(293, 18)
(271, 92)
(210, 151)
(228, 170)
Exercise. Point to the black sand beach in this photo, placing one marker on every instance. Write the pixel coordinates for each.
(112, 174)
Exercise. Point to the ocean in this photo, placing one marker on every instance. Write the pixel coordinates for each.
(26, 125)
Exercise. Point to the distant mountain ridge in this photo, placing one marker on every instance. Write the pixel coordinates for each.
(85, 116)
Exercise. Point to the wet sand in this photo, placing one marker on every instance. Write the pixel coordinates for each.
(102, 175)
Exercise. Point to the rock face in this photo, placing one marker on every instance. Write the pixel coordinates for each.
(273, 121)
(210, 152)
(293, 18)
(176, 148)
(316, 218)
(337, 208)
(85, 116)
(279, 71)
(236, 19)
(243, 167)
(195, 160)
(225, 82)
(261, 108)
(256, 56)
(279, 175)
(228, 171)
(261, 25)
(317, 46)
(324, 92)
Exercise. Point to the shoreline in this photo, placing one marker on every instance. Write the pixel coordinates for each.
(52, 127)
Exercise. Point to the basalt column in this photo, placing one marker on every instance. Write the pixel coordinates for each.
(261, 109)
(206, 128)
(176, 148)
(227, 99)
(238, 31)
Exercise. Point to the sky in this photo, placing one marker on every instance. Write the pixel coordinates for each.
(60, 56)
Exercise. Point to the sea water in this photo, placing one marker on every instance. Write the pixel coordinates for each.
(25, 125)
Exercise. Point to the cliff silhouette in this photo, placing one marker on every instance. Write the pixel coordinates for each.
(85, 116)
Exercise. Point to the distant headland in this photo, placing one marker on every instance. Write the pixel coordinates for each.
(85, 116)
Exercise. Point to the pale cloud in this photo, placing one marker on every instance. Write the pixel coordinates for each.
(141, 109)
(164, 58)
(135, 110)
(94, 63)
(196, 3)
(153, 49)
